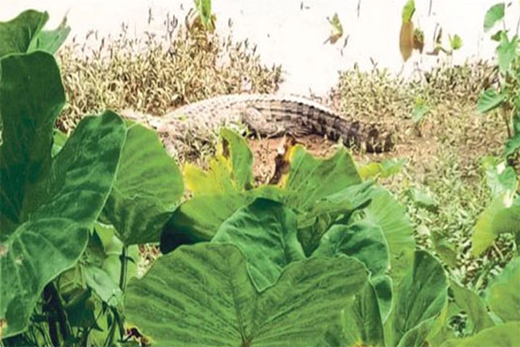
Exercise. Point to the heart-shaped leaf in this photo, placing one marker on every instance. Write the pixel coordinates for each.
(147, 189)
(48, 203)
(202, 295)
(266, 233)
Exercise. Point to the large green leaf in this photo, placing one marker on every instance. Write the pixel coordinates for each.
(489, 100)
(473, 305)
(417, 336)
(493, 15)
(266, 233)
(503, 295)
(320, 190)
(366, 243)
(17, 34)
(506, 335)
(506, 52)
(147, 188)
(335, 208)
(310, 179)
(230, 170)
(217, 193)
(51, 40)
(500, 177)
(199, 218)
(502, 215)
(48, 205)
(421, 296)
(202, 295)
(236, 149)
(390, 216)
(314, 188)
(361, 320)
(24, 34)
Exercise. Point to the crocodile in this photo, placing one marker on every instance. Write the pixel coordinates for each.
(265, 115)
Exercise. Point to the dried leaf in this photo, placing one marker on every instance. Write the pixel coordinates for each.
(406, 40)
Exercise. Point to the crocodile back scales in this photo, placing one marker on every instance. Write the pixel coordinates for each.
(268, 115)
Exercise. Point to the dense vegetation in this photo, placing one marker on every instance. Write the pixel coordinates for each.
(323, 256)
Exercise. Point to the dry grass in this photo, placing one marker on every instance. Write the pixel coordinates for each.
(149, 76)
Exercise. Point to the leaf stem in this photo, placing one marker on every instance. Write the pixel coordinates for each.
(57, 315)
(506, 118)
(124, 267)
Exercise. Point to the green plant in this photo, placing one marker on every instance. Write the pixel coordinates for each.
(502, 215)
(320, 256)
(205, 15)
(56, 259)
(506, 94)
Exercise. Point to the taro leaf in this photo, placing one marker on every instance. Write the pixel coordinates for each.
(493, 15)
(503, 295)
(344, 201)
(17, 34)
(489, 100)
(502, 215)
(500, 177)
(366, 243)
(199, 218)
(235, 148)
(201, 295)
(24, 34)
(420, 297)
(361, 320)
(51, 40)
(417, 336)
(440, 331)
(505, 335)
(310, 179)
(230, 170)
(507, 52)
(266, 233)
(513, 144)
(48, 205)
(305, 189)
(390, 216)
(326, 211)
(146, 190)
(473, 305)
